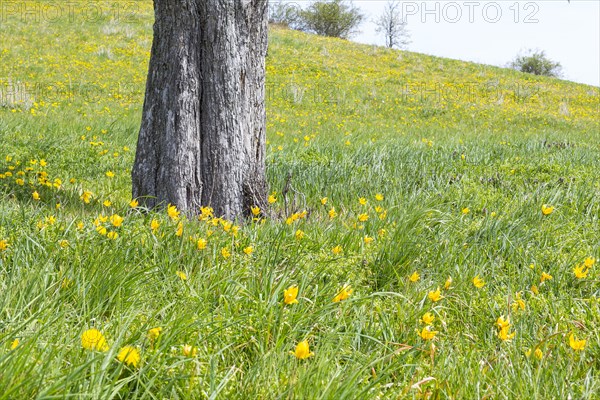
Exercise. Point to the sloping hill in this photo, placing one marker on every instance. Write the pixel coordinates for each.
(440, 220)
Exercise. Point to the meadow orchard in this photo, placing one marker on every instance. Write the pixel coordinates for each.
(436, 246)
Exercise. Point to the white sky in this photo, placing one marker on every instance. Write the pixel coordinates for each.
(568, 33)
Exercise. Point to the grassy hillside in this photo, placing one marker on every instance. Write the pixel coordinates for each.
(415, 196)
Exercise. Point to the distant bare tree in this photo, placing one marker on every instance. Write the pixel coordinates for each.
(392, 26)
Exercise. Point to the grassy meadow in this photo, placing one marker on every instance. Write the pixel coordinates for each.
(440, 221)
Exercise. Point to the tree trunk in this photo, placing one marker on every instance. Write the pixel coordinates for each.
(202, 137)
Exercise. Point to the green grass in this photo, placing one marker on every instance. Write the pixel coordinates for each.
(345, 121)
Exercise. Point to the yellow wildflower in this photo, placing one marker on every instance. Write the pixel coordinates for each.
(332, 213)
(589, 262)
(478, 282)
(299, 234)
(545, 277)
(154, 225)
(129, 355)
(379, 197)
(535, 289)
(435, 295)
(427, 334)
(466, 210)
(201, 244)
(107, 203)
(577, 345)
(35, 195)
(3, 244)
(504, 335)
(581, 271)
(134, 203)
(14, 344)
(362, 201)
(92, 339)
(225, 253)
(172, 212)
(363, 217)
(272, 199)
(547, 210)
(324, 200)
(116, 220)
(368, 240)
(290, 294)
(248, 250)
(255, 210)
(112, 235)
(182, 275)
(86, 197)
(337, 250)
(343, 294)
(414, 277)
(448, 283)
(302, 351)
(189, 350)
(110, 174)
(154, 333)
(427, 318)
(179, 231)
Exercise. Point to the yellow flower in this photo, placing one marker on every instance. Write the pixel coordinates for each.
(172, 212)
(107, 203)
(577, 345)
(86, 197)
(368, 240)
(466, 210)
(427, 334)
(116, 220)
(248, 250)
(337, 250)
(225, 253)
(414, 277)
(545, 277)
(92, 339)
(502, 323)
(448, 283)
(112, 235)
(189, 350)
(154, 225)
(14, 344)
(362, 201)
(110, 174)
(427, 318)
(302, 351)
(519, 303)
(255, 210)
(332, 213)
(182, 275)
(504, 335)
(547, 210)
(3, 244)
(363, 217)
(324, 200)
(154, 333)
(101, 230)
(179, 231)
(589, 262)
(129, 355)
(535, 289)
(379, 197)
(343, 294)
(290, 294)
(538, 354)
(134, 203)
(299, 234)
(581, 271)
(478, 282)
(201, 244)
(272, 199)
(35, 195)
(435, 295)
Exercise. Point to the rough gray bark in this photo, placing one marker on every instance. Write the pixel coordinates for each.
(202, 137)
